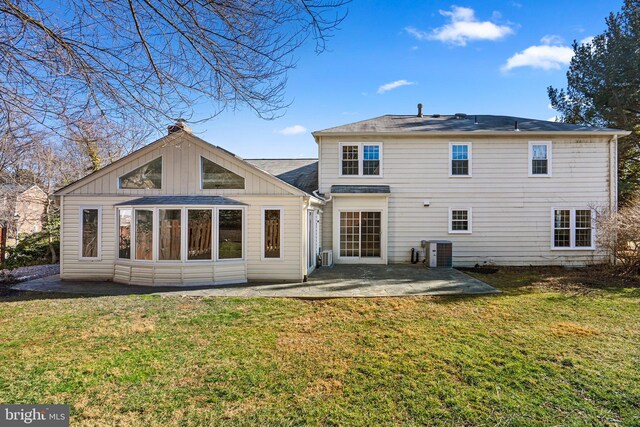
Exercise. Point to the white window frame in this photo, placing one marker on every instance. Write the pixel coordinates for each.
(549, 146)
(163, 176)
(360, 146)
(117, 254)
(217, 232)
(360, 257)
(217, 189)
(99, 257)
(469, 221)
(183, 236)
(470, 151)
(572, 230)
(262, 230)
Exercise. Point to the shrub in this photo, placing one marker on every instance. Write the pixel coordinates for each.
(619, 233)
(33, 249)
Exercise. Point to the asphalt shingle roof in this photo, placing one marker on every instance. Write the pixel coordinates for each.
(451, 123)
(301, 173)
(181, 200)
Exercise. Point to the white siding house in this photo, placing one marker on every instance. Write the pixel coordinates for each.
(503, 190)
(181, 211)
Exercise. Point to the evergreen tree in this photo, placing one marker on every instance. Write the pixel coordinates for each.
(603, 89)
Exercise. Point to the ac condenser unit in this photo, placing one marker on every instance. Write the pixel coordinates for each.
(439, 253)
(327, 258)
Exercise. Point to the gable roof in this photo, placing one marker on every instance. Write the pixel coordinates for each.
(174, 137)
(301, 173)
(461, 123)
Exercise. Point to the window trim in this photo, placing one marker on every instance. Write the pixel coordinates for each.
(81, 210)
(162, 176)
(470, 160)
(549, 146)
(469, 221)
(117, 221)
(262, 236)
(382, 241)
(183, 236)
(216, 234)
(360, 146)
(202, 157)
(572, 229)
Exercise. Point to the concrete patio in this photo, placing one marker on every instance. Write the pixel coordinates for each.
(335, 282)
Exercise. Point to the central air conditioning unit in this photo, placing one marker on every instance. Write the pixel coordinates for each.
(327, 258)
(439, 253)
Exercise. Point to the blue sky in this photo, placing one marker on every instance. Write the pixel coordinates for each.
(489, 57)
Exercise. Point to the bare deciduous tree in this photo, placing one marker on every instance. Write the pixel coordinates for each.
(619, 234)
(60, 60)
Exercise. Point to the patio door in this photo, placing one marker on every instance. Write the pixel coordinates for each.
(360, 234)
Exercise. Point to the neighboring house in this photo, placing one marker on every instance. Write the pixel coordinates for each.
(504, 190)
(22, 208)
(183, 211)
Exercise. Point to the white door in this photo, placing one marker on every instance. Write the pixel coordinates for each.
(311, 241)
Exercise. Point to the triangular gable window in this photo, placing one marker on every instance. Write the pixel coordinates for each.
(147, 176)
(215, 176)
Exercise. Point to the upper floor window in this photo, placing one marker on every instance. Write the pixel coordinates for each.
(214, 176)
(539, 158)
(147, 176)
(362, 159)
(460, 159)
(573, 228)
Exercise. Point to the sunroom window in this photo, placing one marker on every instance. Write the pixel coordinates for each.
(144, 234)
(170, 234)
(124, 233)
(229, 234)
(215, 176)
(147, 176)
(199, 234)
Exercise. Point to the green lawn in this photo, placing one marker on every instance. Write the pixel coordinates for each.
(551, 350)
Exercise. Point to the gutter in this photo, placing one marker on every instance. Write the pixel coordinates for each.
(433, 134)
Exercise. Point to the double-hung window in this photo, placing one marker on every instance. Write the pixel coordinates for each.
(573, 229)
(539, 158)
(460, 221)
(460, 159)
(361, 159)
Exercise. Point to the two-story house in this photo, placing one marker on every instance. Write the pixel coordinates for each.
(504, 190)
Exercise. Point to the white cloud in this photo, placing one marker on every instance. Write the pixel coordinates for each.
(550, 55)
(462, 28)
(394, 85)
(587, 40)
(293, 130)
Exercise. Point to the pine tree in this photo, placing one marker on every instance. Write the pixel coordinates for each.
(603, 89)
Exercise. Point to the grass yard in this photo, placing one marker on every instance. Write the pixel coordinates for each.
(555, 349)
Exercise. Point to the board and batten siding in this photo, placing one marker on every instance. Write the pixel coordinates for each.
(289, 268)
(181, 172)
(511, 211)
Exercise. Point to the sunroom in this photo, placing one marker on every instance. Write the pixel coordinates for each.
(180, 240)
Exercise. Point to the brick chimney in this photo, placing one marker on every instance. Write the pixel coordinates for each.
(419, 110)
(180, 125)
